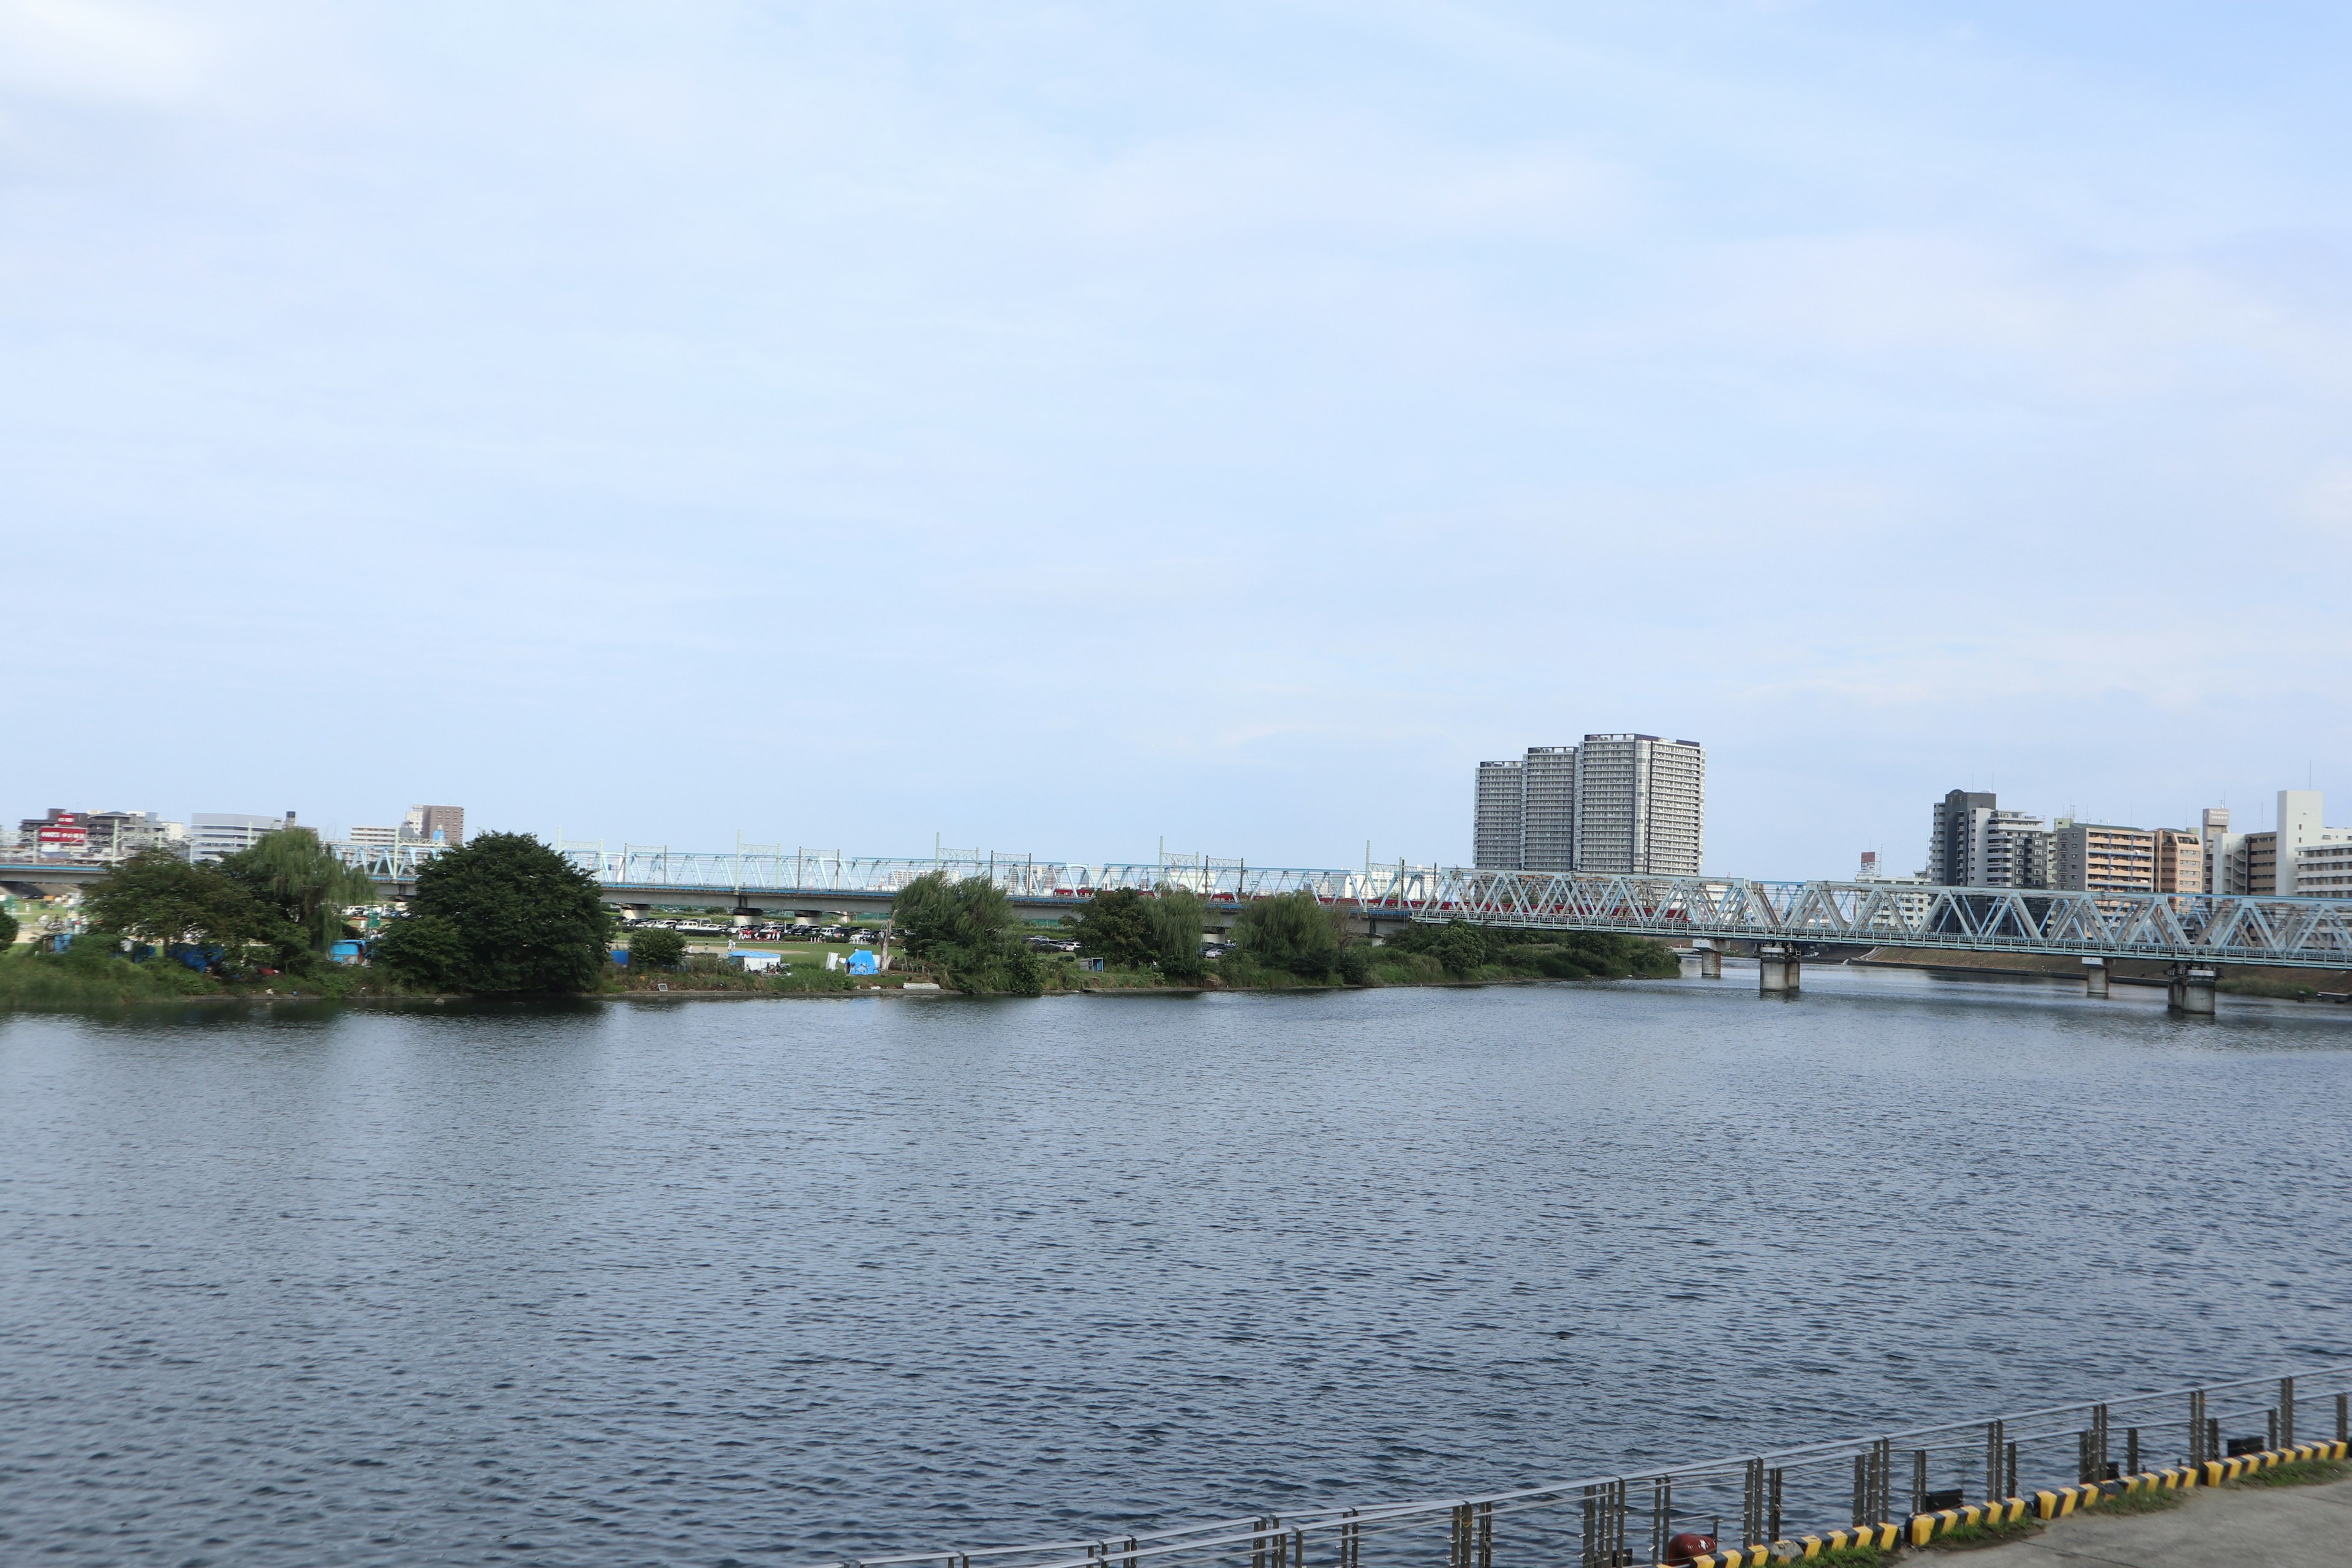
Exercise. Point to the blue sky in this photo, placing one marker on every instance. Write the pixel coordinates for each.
(1059, 427)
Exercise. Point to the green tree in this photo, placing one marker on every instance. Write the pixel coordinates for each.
(291, 873)
(1290, 932)
(656, 948)
(7, 930)
(1116, 926)
(520, 917)
(1177, 921)
(157, 897)
(966, 931)
(422, 950)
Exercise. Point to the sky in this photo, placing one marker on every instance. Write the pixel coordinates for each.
(1068, 429)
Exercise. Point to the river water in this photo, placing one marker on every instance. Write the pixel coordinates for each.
(714, 1282)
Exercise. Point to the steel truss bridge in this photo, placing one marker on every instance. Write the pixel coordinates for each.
(2181, 928)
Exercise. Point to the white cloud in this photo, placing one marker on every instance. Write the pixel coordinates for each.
(102, 52)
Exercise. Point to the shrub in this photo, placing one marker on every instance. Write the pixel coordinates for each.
(656, 948)
(1291, 931)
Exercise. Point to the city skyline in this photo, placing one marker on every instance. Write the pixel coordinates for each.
(1082, 429)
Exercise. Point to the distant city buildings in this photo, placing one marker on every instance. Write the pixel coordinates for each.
(2298, 858)
(99, 834)
(1973, 843)
(1629, 804)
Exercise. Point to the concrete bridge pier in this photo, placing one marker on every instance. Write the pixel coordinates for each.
(1710, 963)
(2095, 977)
(1775, 969)
(2190, 992)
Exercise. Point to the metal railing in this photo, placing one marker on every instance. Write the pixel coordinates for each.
(1747, 1500)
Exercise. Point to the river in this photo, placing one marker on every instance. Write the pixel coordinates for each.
(753, 1281)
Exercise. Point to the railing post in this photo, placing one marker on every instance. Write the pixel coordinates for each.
(1994, 1490)
(2287, 1413)
(2197, 1455)
(1663, 1518)
(1772, 1528)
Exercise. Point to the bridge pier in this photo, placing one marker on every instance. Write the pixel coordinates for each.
(2190, 992)
(2095, 977)
(1710, 963)
(1776, 970)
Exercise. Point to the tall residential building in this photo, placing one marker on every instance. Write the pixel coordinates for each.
(114, 834)
(1502, 802)
(218, 833)
(1640, 805)
(436, 825)
(1548, 837)
(1975, 844)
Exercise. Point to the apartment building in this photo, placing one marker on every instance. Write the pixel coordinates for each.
(1549, 844)
(1973, 843)
(2104, 857)
(1496, 835)
(1615, 802)
(2297, 858)
(2180, 861)
(1641, 805)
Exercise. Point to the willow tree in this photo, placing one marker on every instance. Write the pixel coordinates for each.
(301, 878)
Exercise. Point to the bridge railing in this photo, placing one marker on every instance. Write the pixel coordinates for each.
(1744, 1500)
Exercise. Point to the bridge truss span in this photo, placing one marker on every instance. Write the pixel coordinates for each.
(2181, 928)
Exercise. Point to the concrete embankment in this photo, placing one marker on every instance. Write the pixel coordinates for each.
(2221, 1512)
(2214, 1527)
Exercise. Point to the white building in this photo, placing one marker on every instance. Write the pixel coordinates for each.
(218, 833)
(374, 838)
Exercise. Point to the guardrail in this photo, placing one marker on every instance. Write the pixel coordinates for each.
(1878, 1487)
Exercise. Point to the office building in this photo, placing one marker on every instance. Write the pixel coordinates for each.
(1975, 844)
(1640, 805)
(1620, 803)
(1548, 841)
(435, 825)
(213, 833)
(374, 838)
(1494, 835)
